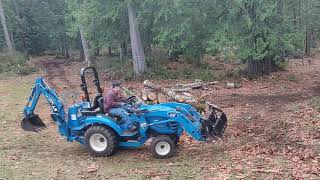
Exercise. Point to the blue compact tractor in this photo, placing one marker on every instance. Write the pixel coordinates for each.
(87, 123)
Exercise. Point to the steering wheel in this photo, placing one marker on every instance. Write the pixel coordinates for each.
(131, 99)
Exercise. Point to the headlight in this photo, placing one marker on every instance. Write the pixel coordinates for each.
(172, 114)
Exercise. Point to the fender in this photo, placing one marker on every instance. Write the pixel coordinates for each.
(104, 120)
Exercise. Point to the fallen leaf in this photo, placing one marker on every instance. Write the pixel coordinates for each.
(93, 168)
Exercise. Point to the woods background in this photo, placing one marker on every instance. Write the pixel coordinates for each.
(141, 37)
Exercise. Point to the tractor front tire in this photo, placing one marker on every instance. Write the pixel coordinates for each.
(100, 141)
(163, 147)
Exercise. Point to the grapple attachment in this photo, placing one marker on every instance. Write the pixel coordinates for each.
(33, 123)
(215, 125)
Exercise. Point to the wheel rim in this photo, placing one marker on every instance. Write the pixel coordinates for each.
(163, 148)
(98, 142)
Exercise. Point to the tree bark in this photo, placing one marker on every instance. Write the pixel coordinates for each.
(20, 23)
(66, 47)
(121, 52)
(12, 40)
(308, 41)
(85, 47)
(110, 51)
(97, 52)
(280, 8)
(5, 28)
(308, 30)
(139, 62)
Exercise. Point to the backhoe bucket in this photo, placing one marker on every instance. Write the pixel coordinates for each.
(215, 125)
(32, 123)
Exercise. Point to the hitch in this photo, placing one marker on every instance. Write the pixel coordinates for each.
(33, 123)
(215, 125)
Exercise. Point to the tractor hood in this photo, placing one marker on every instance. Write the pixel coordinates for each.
(157, 108)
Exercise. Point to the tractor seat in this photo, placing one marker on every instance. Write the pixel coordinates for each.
(96, 109)
(98, 104)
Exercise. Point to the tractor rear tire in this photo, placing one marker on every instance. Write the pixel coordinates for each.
(163, 147)
(100, 141)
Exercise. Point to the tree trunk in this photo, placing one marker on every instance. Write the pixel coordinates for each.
(139, 62)
(308, 42)
(66, 47)
(252, 67)
(110, 51)
(5, 28)
(19, 18)
(308, 29)
(97, 52)
(121, 52)
(85, 47)
(125, 48)
(81, 49)
(280, 8)
(12, 40)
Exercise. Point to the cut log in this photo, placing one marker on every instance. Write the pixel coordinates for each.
(195, 85)
(152, 85)
(152, 96)
(162, 98)
(166, 91)
(182, 89)
(187, 94)
(230, 85)
(144, 95)
(191, 85)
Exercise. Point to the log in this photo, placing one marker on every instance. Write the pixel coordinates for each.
(187, 94)
(152, 96)
(162, 98)
(195, 85)
(152, 85)
(166, 91)
(181, 89)
(144, 95)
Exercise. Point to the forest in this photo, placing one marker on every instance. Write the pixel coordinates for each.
(258, 33)
(210, 89)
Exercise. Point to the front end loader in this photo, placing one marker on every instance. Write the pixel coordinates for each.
(102, 134)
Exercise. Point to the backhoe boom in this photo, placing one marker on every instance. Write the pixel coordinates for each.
(32, 122)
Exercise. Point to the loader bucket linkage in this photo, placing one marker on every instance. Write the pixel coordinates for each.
(215, 125)
(33, 123)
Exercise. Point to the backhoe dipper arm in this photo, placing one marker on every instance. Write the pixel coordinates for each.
(57, 109)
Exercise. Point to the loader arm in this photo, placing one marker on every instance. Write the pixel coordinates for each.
(31, 121)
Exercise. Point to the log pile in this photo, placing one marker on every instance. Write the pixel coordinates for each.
(154, 93)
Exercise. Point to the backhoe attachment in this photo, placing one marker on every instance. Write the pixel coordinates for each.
(33, 123)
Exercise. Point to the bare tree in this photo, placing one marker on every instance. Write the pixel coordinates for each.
(5, 28)
(139, 62)
(85, 47)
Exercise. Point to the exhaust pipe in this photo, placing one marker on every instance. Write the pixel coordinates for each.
(32, 123)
